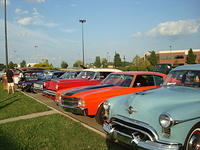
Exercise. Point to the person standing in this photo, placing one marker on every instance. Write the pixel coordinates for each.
(9, 75)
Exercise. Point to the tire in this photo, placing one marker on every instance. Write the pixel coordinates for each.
(100, 115)
(193, 139)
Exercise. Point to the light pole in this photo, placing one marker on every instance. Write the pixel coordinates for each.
(6, 41)
(83, 21)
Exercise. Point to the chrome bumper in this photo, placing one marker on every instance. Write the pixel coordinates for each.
(75, 110)
(137, 142)
(49, 93)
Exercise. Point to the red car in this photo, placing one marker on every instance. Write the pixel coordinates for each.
(86, 77)
(88, 100)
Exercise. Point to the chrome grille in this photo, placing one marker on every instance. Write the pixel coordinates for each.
(133, 128)
(70, 101)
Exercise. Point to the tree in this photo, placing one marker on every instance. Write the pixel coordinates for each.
(64, 64)
(153, 58)
(44, 64)
(104, 63)
(97, 62)
(12, 65)
(23, 63)
(191, 57)
(117, 60)
(140, 63)
(78, 63)
(2, 66)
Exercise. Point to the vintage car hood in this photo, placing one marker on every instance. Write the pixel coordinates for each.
(101, 91)
(27, 82)
(160, 100)
(62, 84)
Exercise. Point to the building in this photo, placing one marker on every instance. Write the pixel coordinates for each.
(176, 57)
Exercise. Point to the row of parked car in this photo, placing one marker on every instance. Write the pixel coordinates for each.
(146, 110)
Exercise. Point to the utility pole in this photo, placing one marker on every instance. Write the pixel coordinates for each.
(6, 41)
(83, 21)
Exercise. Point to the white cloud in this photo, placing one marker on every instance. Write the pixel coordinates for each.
(172, 28)
(138, 34)
(35, 19)
(2, 2)
(69, 30)
(36, 1)
(20, 11)
(25, 21)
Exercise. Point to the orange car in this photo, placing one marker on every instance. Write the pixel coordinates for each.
(88, 100)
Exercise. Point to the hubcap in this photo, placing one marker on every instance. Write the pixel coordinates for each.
(194, 140)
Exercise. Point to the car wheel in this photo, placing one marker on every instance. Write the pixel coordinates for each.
(193, 139)
(100, 116)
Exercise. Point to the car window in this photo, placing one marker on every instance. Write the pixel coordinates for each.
(101, 75)
(158, 80)
(143, 80)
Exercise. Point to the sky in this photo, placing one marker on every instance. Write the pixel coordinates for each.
(50, 29)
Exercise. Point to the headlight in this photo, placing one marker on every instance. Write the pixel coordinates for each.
(166, 120)
(106, 106)
(58, 96)
(81, 103)
(57, 87)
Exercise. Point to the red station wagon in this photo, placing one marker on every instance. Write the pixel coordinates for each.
(86, 77)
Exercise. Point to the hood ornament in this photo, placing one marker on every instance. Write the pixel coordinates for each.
(131, 110)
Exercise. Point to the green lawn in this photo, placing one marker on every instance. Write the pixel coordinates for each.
(53, 132)
(13, 105)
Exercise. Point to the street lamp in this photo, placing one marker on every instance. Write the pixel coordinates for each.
(6, 41)
(83, 21)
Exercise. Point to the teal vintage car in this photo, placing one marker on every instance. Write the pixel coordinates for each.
(167, 118)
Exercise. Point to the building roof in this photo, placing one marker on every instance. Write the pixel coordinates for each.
(178, 51)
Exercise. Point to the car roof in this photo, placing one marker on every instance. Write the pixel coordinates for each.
(102, 70)
(140, 72)
(188, 67)
(33, 71)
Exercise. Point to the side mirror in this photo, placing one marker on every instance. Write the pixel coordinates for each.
(138, 84)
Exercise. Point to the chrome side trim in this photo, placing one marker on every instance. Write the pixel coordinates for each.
(182, 121)
(49, 92)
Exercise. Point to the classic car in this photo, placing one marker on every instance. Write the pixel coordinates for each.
(86, 77)
(89, 100)
(38, 86)
(67, 75)
(167, 118)
(29, 78)
(17, 72)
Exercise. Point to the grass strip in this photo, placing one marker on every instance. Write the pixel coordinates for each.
(13, 105)
(54, 132)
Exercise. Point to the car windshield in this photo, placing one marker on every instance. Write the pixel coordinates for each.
(86, 75)
(34, 76)
(183, 78)
(68, 75)
(119, 80)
